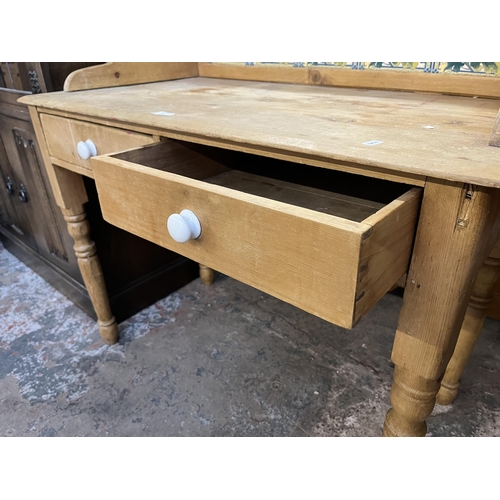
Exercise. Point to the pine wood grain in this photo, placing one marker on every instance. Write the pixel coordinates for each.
(495, 134)
(320, 200)
(115, 74)
(422, 134)
(70, 195)
(446, 83)
(458, 226)
(385, 254)
(176, 158)
(62, 136)
(207, 275)
(301, 158)
(90, 267)
(68, 188)
(264, 244)
(305, 257)
(86, 171)
(438, 140)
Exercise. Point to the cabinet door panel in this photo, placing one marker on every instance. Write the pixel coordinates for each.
(39, 211)
(14, 216)
(8, 214)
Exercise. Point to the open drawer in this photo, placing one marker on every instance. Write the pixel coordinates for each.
(328, 253)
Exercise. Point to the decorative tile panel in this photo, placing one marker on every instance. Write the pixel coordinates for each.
(482, 68)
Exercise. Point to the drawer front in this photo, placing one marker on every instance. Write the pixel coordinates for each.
(63, 134)
(312, 260)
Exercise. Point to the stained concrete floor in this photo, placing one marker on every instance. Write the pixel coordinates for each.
(225, 360)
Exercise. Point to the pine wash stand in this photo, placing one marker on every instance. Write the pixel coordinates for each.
(323, 187)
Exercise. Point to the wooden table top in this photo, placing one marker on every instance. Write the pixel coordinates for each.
(420, 134)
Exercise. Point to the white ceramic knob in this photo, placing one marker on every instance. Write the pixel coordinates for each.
(86, 149)
(91, 146)
(184, 226)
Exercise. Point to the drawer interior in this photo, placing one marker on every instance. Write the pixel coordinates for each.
(349, 196)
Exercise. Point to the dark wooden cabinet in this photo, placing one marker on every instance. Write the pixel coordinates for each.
(137, 272)
(30, 208)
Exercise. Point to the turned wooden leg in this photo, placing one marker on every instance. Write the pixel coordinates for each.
(459, 224)
(70, 195)
(90, 267)
(412, 399)
(479, 302)
(207, 275)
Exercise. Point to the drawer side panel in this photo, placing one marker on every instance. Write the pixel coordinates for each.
(386, 252)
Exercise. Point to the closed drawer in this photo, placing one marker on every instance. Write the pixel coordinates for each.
(327, 253)
(63, 134)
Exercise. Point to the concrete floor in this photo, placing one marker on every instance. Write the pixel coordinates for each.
(225, 360)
